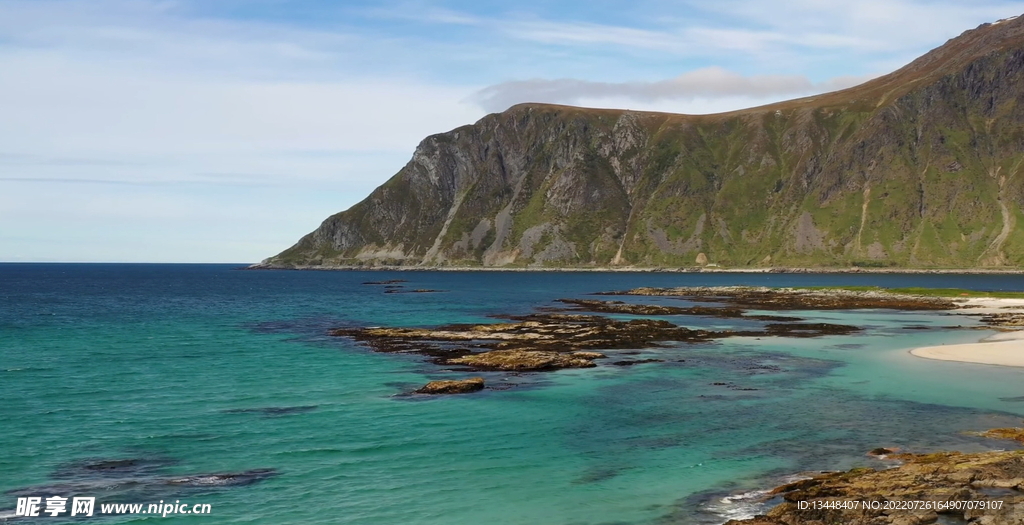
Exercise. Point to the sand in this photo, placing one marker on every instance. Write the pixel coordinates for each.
(1003, 349)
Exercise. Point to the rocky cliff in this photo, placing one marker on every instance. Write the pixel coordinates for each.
(919, 168)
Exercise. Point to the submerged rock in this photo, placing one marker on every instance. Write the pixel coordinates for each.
(93, 468)
(808, 329)
(637, 362)
(135, 478)
(230, 479)
(272, 411)
(452, 386)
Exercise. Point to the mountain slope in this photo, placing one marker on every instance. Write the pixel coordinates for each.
(918, 168)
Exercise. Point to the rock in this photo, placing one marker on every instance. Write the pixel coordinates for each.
(808, 329)
(1016, 434)
(636, 362)
(453, 386)
(702, 259)
(939, 477)
(764, 298)
(588, 355)
(522, 360)
(619, 307)
(550, 333)
(1005, 320)
(550, 341)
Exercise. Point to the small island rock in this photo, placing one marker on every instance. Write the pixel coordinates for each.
(453, 386)
(522, 360)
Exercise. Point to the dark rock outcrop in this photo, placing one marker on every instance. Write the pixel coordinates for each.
(764, 298)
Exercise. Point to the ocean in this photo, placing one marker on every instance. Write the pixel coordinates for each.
(204, 384)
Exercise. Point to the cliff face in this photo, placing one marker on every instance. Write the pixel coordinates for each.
(919, 168)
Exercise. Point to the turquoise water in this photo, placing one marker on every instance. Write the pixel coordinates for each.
(170, 365)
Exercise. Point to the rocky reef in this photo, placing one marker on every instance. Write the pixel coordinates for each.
(1013, 320)
(567, 338)
(984, 488)
(764, 298)
(573, 335)
(537, 342)
(620, 307)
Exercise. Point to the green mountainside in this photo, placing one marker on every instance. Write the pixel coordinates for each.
(920, 168)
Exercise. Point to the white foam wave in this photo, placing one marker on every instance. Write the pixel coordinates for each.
(739, 506)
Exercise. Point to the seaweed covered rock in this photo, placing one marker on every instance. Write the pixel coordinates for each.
(982, 488)
(1016, 434)
(523, 360)
(452, 386)
(765, 298)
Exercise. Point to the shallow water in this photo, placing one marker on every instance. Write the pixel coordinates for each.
(202, 369)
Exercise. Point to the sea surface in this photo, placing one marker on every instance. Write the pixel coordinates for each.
(138, 383)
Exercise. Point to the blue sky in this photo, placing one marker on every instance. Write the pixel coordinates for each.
(223, 130)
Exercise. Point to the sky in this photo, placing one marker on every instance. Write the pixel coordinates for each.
(224, 130)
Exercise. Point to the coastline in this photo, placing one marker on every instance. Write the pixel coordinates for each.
(1001, 349)
(638, 269)
(1005, 349)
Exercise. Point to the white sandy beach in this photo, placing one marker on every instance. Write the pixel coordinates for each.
(1004, 349)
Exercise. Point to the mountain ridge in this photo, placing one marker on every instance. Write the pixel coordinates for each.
(918, 168)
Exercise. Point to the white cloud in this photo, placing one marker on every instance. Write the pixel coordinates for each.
(704, 84)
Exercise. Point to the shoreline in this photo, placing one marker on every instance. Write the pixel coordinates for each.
(636, 269)
(1004, 349)
(1001, 349)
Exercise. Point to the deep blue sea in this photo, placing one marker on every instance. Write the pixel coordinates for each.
(143, 383)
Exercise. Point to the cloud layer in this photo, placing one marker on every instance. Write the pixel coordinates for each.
(705, 83)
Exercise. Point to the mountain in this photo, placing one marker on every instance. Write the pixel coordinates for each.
(919, 168)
